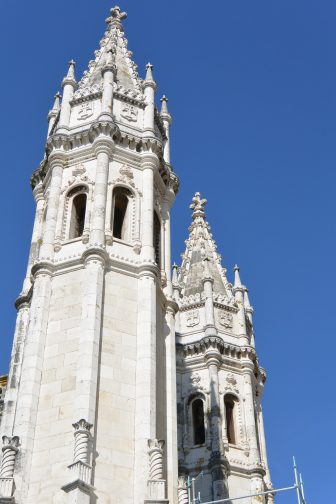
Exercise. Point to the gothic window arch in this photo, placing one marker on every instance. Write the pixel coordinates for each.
(77, 203)
(231, 406)
(197, 420)
(122, 213)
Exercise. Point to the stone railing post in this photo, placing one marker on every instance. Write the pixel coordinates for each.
(9, 451)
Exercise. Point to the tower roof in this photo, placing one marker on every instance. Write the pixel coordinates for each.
(127, 77)
(200, 249)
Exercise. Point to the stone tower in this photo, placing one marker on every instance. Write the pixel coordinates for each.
(219, 380)
(106, 401)
(90, 408)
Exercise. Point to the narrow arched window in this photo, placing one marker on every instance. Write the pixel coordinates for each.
(121, 214)
(230, 401)
(77, 220)
(157, 239)
(197, 411)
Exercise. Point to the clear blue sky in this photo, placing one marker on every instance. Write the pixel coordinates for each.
(251, 87)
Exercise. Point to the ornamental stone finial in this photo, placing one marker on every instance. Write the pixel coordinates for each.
(198, 205)
(237, 281)
(114, 20)
(70, 76)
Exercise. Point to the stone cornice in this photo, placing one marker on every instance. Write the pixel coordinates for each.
(23, 299)
(216, 342)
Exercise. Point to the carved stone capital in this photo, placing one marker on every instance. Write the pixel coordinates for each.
(95, 254)
(103, 144)
(43, 267)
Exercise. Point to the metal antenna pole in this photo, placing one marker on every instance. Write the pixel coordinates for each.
(189, 486)
(296, 482)
(193, 490)
(301, 489)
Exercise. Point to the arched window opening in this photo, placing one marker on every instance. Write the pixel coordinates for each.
(197, 408)
(77, 216)
(229, 402)
(121, 217)
(157, 239)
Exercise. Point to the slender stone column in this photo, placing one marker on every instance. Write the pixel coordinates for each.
(238, 290)
(213, 360)
(69, 85)
(145, 405)
(36, 235)
(56, 164)
(31, 371)
(149, 86)
(149, 163)
(251, 430)
(218, 464)
(171, 421)
(167, 120)
(21, 328)
(210, 328)
(9, 451)
(108, 73)
(53, 113)
(89, 343)
(167, 243)
(103, 147)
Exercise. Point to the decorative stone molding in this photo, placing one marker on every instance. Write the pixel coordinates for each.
(9, 452)
(80, 468)
(215, 342)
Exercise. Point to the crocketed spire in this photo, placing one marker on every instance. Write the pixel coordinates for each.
(127, 78)
(201, 257)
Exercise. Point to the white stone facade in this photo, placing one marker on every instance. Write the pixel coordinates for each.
(109, 354)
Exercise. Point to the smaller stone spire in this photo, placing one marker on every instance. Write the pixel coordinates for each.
(175, 274)
(116, 17)
(164, 110)
(70, 76)
(237, 281)
(197, 206)
(149, 79)
(57, 102)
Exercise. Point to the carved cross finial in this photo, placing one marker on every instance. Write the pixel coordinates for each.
(116, 17)
(198, 205)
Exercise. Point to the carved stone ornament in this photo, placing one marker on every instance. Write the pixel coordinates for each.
(78, 170)
(226, 319)
(126, 175)
(193, 318)
(129, 112)
(231, 383)
(85, 111)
